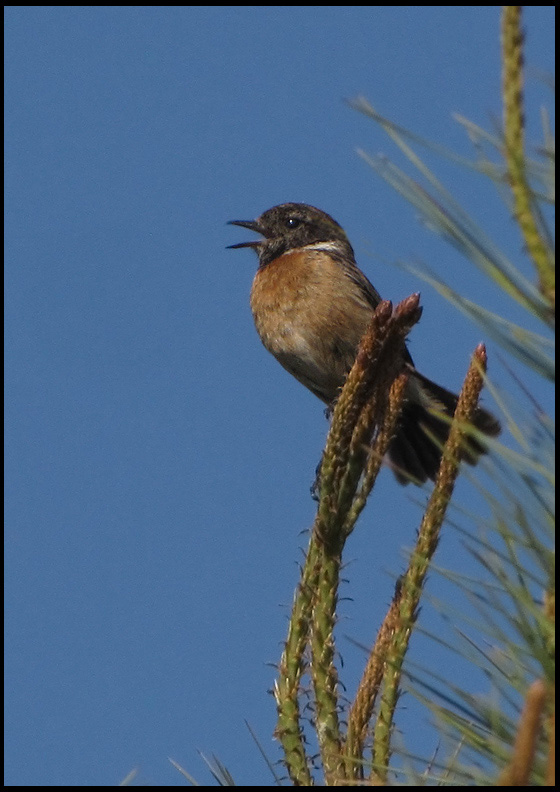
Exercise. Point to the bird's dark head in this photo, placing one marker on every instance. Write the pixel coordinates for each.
(291, 226)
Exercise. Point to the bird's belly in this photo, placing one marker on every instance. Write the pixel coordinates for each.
(308, 358)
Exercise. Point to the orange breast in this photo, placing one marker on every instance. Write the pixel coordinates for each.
(311, 316)
(288, 293)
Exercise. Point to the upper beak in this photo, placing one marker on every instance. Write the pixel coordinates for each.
(253, 225)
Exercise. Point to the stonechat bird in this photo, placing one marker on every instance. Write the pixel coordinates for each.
(312, 304)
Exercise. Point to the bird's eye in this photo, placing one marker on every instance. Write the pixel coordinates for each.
(293, 222)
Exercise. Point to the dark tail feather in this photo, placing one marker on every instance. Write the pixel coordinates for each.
(415, 451)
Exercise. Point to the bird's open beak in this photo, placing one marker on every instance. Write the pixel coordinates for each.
(253, 225)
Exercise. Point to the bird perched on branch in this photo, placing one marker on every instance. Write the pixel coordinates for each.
(312, 304)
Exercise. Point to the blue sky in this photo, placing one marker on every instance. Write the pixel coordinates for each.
(158, 460)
